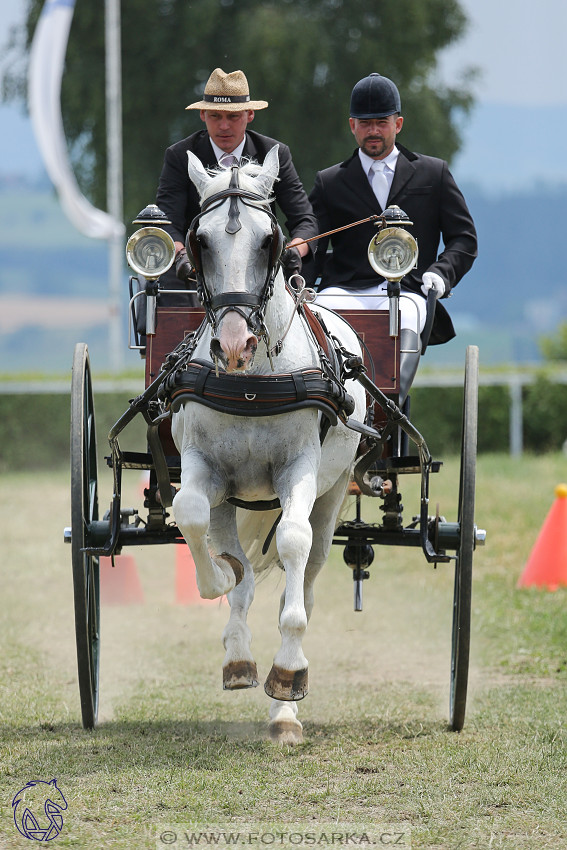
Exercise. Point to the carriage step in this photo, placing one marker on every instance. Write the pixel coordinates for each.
(143, 460)
(402, 465)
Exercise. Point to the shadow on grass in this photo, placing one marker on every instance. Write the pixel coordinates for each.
(171, 743)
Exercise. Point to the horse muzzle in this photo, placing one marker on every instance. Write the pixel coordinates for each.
(235, 344)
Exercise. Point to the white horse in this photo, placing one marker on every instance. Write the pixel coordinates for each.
(257, 458)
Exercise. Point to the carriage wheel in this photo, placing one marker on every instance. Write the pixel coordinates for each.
(463, 567)
(84, 509)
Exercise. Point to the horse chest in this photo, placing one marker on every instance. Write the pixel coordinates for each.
(249, 453)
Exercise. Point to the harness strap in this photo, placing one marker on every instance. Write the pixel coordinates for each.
(322, 338)
(200, 379)
(229, 299)
(256, 395)
(300, 388)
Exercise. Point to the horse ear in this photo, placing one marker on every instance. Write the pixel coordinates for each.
(270, 167)
(197, 173)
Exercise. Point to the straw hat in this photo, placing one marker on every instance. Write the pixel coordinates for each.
(227, 92)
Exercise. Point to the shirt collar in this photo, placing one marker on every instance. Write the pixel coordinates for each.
(219, 153)
(390, 161)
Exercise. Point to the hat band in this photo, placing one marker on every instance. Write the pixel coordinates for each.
(218, 98)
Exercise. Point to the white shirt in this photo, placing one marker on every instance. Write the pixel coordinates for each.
(237, 152)
(389, 164)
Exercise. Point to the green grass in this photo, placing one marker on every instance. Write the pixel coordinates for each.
(173, 749)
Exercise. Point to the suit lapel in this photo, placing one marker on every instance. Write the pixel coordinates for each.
(356, 182)
(403, 173)
(249, 150)
(204, 150)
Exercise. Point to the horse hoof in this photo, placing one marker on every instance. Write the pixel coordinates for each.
(239, 674)
(286, 684)
(286, 732)
(237, 567)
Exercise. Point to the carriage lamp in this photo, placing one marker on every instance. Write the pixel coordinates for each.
(151, 215)
(150, 252)
(392, 253)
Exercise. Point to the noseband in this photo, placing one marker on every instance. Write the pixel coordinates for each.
(250, 306)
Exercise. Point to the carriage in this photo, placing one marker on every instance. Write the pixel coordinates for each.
(167, 331)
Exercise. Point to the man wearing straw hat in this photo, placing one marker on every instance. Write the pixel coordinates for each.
(227, 110)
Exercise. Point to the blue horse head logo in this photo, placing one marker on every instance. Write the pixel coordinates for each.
(37, 810)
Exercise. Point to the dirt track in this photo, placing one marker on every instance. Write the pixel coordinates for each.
(403, 634)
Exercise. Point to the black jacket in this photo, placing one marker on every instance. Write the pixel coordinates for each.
(178, 198)
(425, 189)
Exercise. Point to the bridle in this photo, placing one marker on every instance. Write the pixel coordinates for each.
(250, 306)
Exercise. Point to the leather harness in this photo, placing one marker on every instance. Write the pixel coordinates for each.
(256, 395)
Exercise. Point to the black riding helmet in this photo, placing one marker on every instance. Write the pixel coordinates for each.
(374, 96)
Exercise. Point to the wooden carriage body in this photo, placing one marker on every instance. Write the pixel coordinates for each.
(381, 352)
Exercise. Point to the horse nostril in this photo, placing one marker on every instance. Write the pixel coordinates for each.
(251, 345)
(216, 350)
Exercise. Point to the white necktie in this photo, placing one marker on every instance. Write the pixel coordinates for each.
(379, 183)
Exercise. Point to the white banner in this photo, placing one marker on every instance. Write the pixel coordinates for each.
(47, 59)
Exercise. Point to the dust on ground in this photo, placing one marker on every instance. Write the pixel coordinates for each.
(402, 635)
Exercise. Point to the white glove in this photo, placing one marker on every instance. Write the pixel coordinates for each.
(432, 280)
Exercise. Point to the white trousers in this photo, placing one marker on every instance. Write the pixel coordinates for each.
(413, 307)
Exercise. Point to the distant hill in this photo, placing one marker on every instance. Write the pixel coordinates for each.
(497, 156)
(515, 292)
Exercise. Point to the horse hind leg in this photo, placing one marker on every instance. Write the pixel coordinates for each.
(239, 667)
(284, 727)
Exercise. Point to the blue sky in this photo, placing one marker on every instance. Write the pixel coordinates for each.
(516, 134)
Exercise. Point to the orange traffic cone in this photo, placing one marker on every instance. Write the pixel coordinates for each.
(186, 590)
(547, 564)
(120, 585)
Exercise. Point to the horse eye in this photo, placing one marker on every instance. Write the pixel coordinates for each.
(267, 241)
(203, 243)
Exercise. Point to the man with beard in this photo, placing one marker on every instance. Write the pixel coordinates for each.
(382, 172)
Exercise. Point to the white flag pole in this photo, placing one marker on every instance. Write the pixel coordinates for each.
(114, 176)
(47, 59)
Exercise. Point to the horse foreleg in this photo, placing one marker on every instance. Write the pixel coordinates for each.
(287, 680)
(239, 668)
(217, 574)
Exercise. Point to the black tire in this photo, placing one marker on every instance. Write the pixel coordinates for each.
(462, 595)
(84, 509)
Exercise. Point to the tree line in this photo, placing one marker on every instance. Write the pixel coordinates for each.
(302, 56)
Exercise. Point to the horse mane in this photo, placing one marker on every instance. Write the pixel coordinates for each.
(247, 172)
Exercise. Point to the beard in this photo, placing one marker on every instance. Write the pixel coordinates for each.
(374, 147)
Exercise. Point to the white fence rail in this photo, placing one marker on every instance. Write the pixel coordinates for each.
(512, 381)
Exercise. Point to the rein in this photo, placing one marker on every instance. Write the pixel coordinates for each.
(374, 217)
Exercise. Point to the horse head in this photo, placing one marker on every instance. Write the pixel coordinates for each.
(235, 244)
